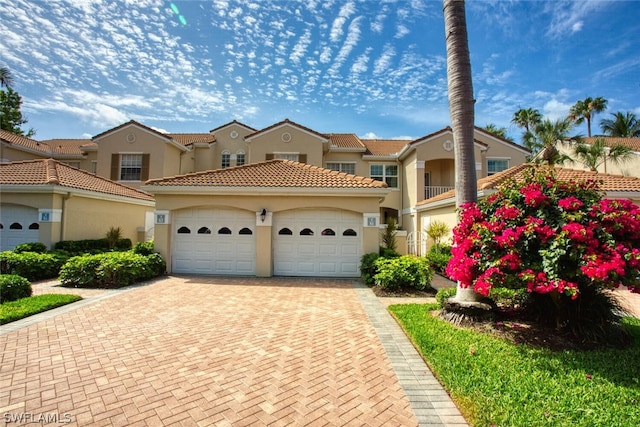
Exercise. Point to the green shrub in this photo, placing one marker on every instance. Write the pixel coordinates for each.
(13, 287)
(143, 248)
(91, 246)
(388, 253)
(403, 271)
(31, 265)
(111, 269)
(444, 294)
(30, 247)
(438, 257)
(368, 268)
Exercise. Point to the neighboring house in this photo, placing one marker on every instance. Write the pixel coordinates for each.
(627, 168)
(413, 171)
(48, 201)
(443, 207)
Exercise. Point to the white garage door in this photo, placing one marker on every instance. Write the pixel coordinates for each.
(214, 241)
(317, 243)
(18, 224)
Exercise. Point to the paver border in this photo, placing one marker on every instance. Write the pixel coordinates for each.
(431, 404)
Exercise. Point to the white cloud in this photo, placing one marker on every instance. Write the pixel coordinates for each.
(345, 13)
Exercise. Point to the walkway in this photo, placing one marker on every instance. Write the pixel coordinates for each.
(220, 351)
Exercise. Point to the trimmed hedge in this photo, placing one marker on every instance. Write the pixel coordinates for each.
(403, 271)
(91, 245)
(32, 265)
(30, 247)
(14, 287)
(111, 269)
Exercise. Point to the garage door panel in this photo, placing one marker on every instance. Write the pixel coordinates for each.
(214, 253)
(23, 217)
(327, 252)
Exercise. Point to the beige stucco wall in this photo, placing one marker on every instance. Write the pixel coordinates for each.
(89, 218)
(9, 153)
(273, 204)
(302, 142)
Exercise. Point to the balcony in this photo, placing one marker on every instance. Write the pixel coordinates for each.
(435, 190)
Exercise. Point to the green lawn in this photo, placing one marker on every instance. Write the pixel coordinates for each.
(15, 310)
(497, 383)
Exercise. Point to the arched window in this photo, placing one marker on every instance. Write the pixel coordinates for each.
(34, 226)
(246, 231)
(285, 232)
(184, 230)
(240, 158)
(225, 159)
(328, 232)
(204, 230)
(224, 230)
(349, 232)
(306, 232)
(15, 226)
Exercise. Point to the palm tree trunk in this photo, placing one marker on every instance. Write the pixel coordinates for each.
(461, 110)
(461, 102)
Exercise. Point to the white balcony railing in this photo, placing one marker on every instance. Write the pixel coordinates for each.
(435, 190)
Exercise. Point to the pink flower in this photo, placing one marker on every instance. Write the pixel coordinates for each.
(570, 203)
(533, 195)
(508, 212)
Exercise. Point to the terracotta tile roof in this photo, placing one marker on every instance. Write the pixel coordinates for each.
(384, 147)
(608, 182)
(272, 173)
(284, 122)
(68, 146)
(190, 138)
(130, 122)
(345, 140)
(23, 141)
(52, 172)
(633, 143)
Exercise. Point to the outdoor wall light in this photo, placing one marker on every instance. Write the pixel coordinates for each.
(263, 214)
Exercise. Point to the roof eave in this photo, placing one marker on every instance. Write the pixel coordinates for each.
(63, 190)
(257, 191)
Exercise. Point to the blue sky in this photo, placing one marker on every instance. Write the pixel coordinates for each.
(373, 68)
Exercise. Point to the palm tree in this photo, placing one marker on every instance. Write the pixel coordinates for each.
(461, 110)
(545, 137)
(6, 79)
(497, 131)
(597, 154)
(526, 118)
(622, 125)
(585, 110)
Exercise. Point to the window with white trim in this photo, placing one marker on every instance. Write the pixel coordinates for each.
(385, 173)
(130, 167)
(496, 165)
(342, 167)
(240, 158)
(226, 159)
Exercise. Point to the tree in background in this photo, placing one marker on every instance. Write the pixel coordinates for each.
(11, 118)
(597, 154)
(528, 119)
(584, 110)
(497, 131)
(622, 125)
(545, 137)
(6, 79)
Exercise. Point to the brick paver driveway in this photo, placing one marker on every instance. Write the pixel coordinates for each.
(206, 351)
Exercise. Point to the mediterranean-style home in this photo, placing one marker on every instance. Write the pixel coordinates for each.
(282, 200)
(442, 208)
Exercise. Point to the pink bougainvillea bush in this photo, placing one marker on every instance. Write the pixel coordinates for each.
(551, 237)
